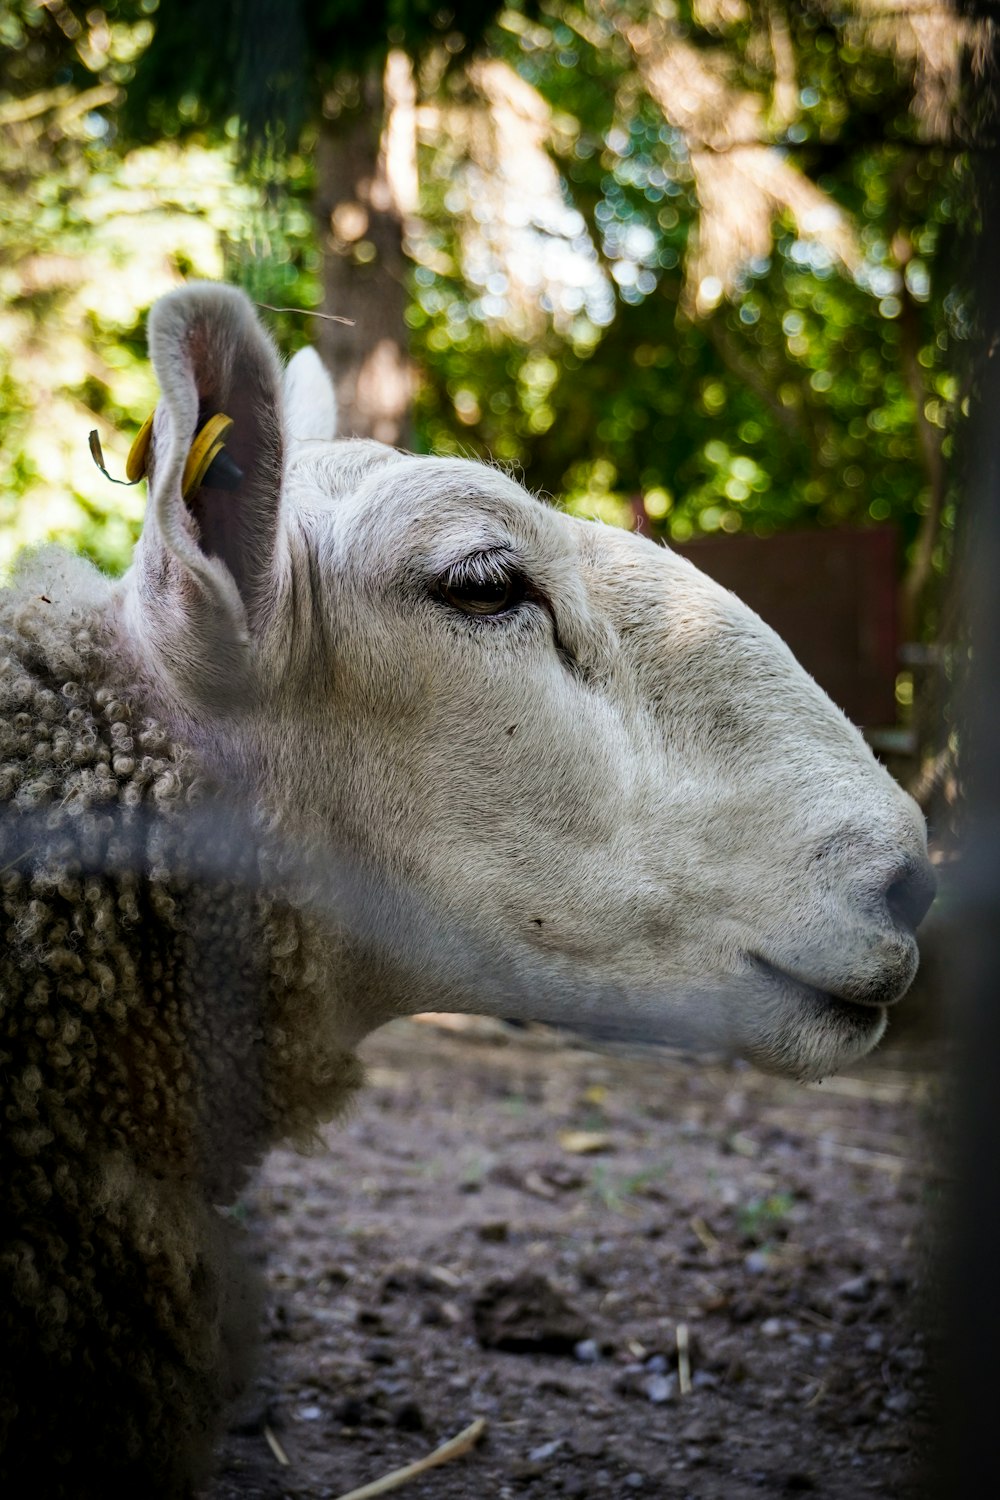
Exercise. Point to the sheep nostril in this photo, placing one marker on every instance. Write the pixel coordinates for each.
(909, 896)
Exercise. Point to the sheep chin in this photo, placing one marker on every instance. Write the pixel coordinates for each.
(807, 1035)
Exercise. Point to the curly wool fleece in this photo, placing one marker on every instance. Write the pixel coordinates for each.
(146, 1062)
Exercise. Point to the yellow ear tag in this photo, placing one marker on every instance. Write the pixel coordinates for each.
(204, 451)
(207, 457)
(138, 454)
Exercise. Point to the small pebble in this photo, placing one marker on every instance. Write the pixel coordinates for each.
(857, 1289)
(545, 1451)
(587, 1352)
(660, 1388)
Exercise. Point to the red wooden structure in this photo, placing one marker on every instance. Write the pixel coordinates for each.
(832, 596)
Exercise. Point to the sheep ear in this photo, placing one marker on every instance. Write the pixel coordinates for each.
(207, 565)
(309, 400)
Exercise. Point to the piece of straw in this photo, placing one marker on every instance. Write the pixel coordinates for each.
(276, 1448)
(683, 1359)
(454, 1448)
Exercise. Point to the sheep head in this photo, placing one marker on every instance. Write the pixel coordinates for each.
(578, 781)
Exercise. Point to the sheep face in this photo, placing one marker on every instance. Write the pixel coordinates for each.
(576, 780)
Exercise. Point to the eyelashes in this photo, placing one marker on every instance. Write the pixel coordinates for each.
(485, 584)
(493, 586)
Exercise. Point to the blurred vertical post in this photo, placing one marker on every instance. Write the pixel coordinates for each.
(971, 1456)
(366, 189)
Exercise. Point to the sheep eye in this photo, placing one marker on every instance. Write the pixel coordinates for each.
(482, 587)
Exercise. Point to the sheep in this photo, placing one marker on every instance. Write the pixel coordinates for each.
(362, 734)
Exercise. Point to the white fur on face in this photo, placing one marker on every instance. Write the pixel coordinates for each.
(625, 791)
(617, 802)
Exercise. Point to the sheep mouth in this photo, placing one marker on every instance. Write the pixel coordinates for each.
(813, 994)
(810, 1032)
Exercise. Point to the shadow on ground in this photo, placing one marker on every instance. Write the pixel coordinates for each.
(650, 1276)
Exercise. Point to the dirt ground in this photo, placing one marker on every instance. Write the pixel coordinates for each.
(650, 1277)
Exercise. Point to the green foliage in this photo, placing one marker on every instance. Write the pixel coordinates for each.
(762, 1220)
(87, 241)
(70, 46)
(798, 396)
(616, 1191)
(268, 63)
(812, 385)
(102, 245)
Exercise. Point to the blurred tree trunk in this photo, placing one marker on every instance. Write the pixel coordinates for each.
(365, 186)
